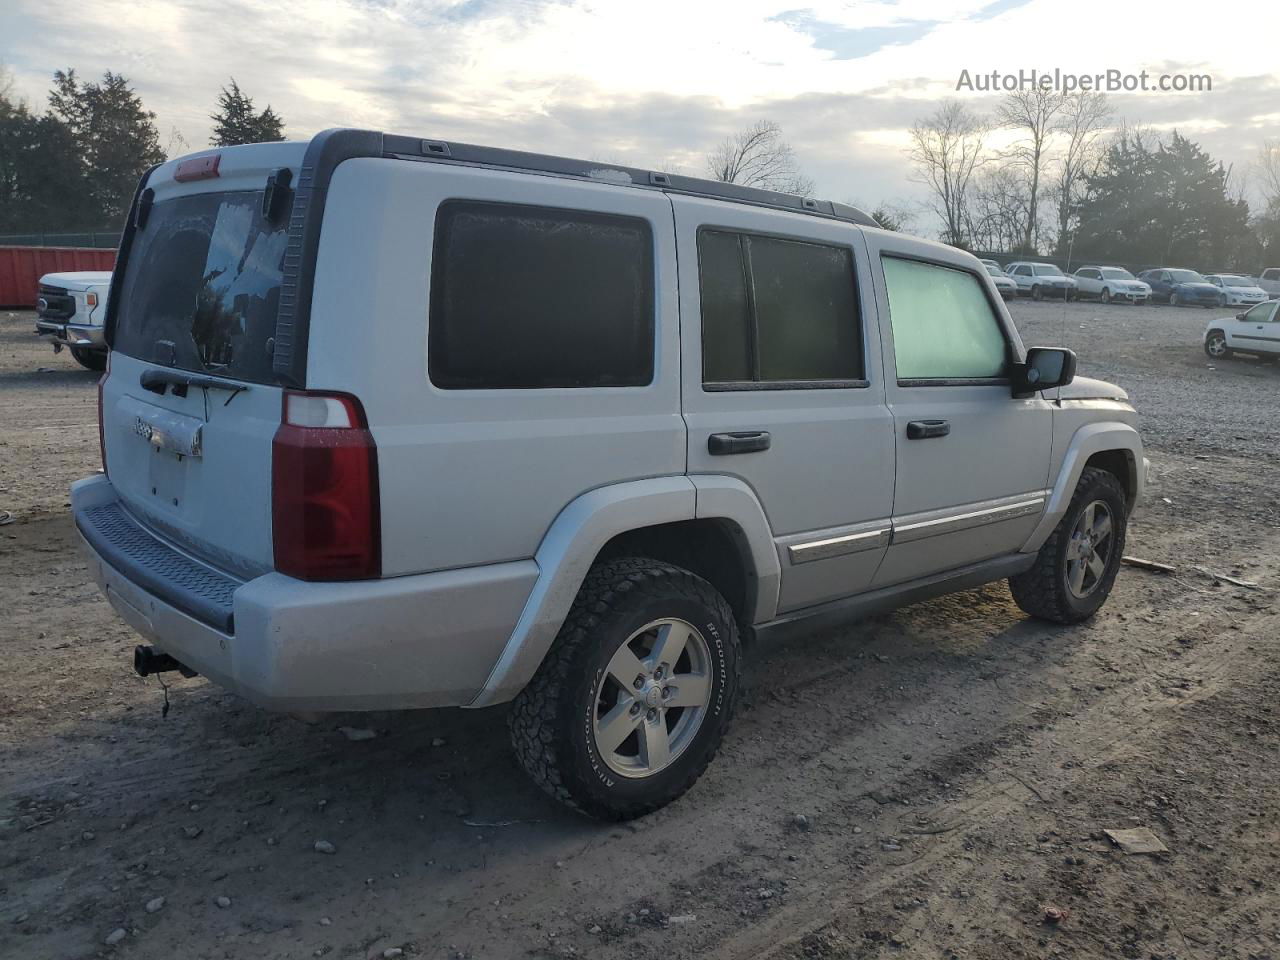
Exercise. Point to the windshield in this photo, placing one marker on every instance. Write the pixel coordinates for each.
(1047, 270)
(1115, 273)
(202, 286)
(1236, 281)
(1186, 276)
(994, 271)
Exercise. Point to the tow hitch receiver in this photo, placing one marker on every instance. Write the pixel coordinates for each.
(148, 660)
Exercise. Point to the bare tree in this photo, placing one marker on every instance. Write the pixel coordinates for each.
(997, 211)
(759, 157)
(947, 147)
(1268, 169)
(1034, 113)
(1083, 119)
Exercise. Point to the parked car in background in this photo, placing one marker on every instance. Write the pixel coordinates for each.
(1255, 331)
(1180, 287)
(1040, 280)
(70, 308)
(1111, 283)
(1237, 291)
(1270, 281)
(261, 517)
(1004, 283)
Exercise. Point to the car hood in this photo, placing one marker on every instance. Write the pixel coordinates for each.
(79, 280)
(1086, 388)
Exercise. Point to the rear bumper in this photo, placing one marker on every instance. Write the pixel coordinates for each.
(428, 640)
(73, 334)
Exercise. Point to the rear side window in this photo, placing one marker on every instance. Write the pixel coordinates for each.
(777, 311)
(524, 297)
(202, 286)
(944, 328)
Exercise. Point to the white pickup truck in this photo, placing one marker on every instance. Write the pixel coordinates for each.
(71, 308)
(1270, 282)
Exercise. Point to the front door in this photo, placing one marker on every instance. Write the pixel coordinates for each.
(1258, 331)
(972, 461)
(782, 385)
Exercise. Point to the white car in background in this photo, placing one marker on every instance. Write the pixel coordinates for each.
(71, 308)
(1255, 331)
(1237, 291)
(1004, 284)
(1270, 281)
(1041, 280)
(1111, 283)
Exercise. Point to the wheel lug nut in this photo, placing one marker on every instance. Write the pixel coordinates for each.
(635, 708)
(639, 682)
(666, 693)
(651, 715)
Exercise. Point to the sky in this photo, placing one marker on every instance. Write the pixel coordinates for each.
(655, 83)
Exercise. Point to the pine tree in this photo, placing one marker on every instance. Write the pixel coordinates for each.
(236, 122)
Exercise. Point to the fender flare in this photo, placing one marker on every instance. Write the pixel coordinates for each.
(1092, 438)
(582, 529)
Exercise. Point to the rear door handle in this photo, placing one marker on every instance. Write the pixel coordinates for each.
(927, 429)
(724, 444)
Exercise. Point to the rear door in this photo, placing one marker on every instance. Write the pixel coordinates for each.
(198, 299)
(972, 461)
(782, 385)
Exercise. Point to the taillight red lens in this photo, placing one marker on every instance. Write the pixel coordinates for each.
(325, 520)
(102, 437)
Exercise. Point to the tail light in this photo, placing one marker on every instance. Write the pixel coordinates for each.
(102, 436)
(325, 519)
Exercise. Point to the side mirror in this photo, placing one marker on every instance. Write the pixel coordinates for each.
(1239, 316)
(1044, 369)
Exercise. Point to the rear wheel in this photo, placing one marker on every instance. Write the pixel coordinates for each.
(1076, 568)
(1037, 293)
(1106, 294)
(1215, 344)
(631, 703)
(90, 359)
(1175, 300)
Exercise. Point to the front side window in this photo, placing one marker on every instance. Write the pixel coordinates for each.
(1023, 271)
(526, 297)
(777, 311)
(944, 328)
(1261, 313)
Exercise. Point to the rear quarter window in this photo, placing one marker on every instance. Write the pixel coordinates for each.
(526, 297)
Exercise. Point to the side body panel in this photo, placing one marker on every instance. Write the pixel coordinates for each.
(474, 476)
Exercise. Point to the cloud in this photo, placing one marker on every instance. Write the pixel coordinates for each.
(653, 85)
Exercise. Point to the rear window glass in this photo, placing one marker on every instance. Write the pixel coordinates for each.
(202, 286)
(529, 297)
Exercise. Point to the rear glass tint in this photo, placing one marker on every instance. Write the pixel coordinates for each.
(525, 297)
(202, 287)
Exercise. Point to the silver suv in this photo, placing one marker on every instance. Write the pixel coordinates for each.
(395, 423)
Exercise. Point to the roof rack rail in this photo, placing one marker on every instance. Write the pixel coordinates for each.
(416, 148)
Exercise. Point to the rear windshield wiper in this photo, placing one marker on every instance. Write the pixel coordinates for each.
(158, 380)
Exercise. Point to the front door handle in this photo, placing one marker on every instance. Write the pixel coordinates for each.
(927, 429)
(724, 444)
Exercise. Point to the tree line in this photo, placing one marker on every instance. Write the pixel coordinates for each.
(1058, 174)
(74, 166)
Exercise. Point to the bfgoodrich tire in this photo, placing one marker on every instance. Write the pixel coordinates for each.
(1076, 568)
(632, 700)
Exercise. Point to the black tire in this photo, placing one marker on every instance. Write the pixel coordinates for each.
(1036, 293)
(1216, 336)
(1106, 294)
(1175, 300)
(553, 719)
(1043, 591)
(90, 359)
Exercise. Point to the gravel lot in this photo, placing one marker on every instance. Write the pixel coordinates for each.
(924, 784)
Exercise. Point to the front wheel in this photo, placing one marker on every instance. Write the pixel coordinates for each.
(631, 702)
(1036, 293)
(90, 359)
(1076, 568)
(1215, 345)
(1175, 300)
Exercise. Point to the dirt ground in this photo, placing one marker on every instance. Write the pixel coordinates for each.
(924, 784)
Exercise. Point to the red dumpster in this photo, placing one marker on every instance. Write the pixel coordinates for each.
(22, 267)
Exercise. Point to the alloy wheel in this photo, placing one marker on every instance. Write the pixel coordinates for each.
(652, 698)
(1216, 345)
(1089, 550)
